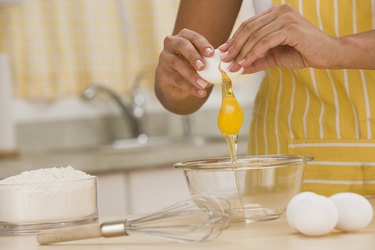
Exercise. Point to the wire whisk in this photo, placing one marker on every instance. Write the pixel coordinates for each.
(197, 219)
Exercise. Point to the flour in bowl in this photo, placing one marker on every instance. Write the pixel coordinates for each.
(49, 195)
(46, 175)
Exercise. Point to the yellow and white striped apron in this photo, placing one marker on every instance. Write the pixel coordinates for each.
(328, 114)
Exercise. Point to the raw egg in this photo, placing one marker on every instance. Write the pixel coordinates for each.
(293, 205)
(312, 214)
(354, 211)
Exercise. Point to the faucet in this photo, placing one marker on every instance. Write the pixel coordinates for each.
(132, 111)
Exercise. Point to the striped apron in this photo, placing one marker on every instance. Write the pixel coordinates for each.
(328, 114)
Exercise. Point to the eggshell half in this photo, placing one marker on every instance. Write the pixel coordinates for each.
(211, 72)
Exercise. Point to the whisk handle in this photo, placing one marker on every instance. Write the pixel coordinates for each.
(69, 233)
(106, 229)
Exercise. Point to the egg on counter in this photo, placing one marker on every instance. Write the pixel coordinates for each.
(312, 214)
(354, 211)
(293, 205)
(211, 72)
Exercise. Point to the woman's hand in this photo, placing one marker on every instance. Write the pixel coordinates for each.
(280, 37)
(179, 60)
(176, 78)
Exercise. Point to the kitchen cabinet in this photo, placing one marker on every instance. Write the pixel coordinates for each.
(113, 194)
(140, 191)
(154, 189)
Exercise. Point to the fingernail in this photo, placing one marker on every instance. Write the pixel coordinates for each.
(224, 46)
(225, 54)
(242, 61)
(201, 93)
(201, 83)
(208, 50)
(231, 66)
(199, 64)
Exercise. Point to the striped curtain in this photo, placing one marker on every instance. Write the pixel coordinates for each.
(59, 47)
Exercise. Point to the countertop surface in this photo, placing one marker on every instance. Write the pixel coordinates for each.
(273, 235)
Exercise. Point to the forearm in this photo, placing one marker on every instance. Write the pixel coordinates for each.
(211, 19)
(357, 51)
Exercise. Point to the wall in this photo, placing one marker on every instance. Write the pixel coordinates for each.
(85, 124)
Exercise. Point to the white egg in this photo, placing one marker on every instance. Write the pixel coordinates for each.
(314, 215)
(211, 72)
(355, 211)
(293, 204)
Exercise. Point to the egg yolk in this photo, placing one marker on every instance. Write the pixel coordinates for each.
(230, 116)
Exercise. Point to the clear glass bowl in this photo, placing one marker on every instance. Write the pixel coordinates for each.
(258, 187)
(29, 208)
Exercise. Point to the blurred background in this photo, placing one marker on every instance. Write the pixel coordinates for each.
(76, 88)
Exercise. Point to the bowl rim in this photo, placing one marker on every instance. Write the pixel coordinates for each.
(244, 162)
(51, 183)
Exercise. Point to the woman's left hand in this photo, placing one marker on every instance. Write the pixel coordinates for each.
(280, 37)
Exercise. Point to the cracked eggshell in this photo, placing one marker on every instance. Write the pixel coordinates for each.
(211, 72)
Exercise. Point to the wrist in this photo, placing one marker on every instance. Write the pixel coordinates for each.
(174, 100)
(343, 47)
(353, 53)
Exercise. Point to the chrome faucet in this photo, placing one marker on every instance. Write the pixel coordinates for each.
(132, 111)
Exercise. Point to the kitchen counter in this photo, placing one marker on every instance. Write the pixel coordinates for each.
(262, 235)
(104, 159)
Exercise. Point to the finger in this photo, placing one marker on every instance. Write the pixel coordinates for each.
(224, 47)
(264, 45)
(177, 64)
(245, 33)
(252, 19)
(235, 67)
(199, 42)
(191, 46)
(178, 85)
(184, 47)
(183, 85)
(257, 35)
(260, 64)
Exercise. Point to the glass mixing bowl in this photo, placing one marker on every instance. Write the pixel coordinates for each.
(258, 187)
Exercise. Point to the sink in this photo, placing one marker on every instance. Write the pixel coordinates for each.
(144, 143)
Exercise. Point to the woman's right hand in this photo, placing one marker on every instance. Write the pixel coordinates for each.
(177, 84)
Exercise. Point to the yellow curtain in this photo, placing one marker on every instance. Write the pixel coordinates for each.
(59, 47)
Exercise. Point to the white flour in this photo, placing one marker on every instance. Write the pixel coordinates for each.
(48, 195)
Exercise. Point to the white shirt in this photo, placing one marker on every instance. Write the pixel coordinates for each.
(261, 5)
